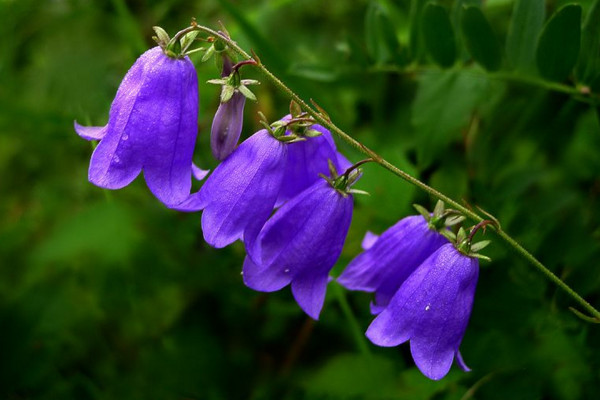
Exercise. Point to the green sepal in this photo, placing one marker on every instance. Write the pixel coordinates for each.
(188, 39)
(295, 109)
(209, 53)
(227, 93)
(475, 247)
(246, 92)
(439, 209)
(461, 236)
(358, 191)
(221, 81)
(423, 211)
(312, 133)
(162, 37)
(454, 220)
(480, 256)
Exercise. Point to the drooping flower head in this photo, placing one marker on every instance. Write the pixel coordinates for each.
(300, 244)
(242, 192)
(431, 310)
(389, 259)
(152, 127)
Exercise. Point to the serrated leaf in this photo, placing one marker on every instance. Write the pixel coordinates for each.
(480, 40)
(558, 47)
(525, 26)
(438, 35)
(588, 67)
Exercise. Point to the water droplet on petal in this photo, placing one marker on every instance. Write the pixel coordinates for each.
(287, 270)
(125, 137)
(116, 159)
(428, 307)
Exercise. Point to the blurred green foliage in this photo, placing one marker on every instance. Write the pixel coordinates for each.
(108, 295)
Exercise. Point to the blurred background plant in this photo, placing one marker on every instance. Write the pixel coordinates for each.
(108, 295)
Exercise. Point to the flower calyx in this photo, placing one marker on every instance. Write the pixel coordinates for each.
(343, 183)
(234, 83)
(286, 130)
(177, 46)
(441, 218)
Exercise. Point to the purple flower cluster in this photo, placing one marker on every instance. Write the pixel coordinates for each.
(424, 289)
(285, 192)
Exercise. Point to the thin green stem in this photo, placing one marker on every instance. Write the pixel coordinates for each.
(324, 120)
(357, 333)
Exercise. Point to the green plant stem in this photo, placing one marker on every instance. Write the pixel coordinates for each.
(357, 333)
(325, 121)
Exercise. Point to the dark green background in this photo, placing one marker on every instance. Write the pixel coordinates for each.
(108, 295)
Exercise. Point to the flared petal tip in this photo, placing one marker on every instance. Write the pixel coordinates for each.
(90, 132)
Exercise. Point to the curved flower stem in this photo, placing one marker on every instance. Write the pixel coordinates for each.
(357, 333)
(324, 120)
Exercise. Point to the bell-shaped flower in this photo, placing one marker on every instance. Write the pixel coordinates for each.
(152, 127)
(300, 244)
(390, 259)
(239, 196)
(242, 192)
(431, 310)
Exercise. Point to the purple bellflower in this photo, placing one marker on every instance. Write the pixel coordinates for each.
(431, 309)
(300, 244)
(242, 192)
(229, 118)
(152, 127)
(239, 196)
(388, 260)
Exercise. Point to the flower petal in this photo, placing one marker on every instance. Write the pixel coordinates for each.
(384, 266)
(240, 195)
(116, 161)
(90, 132)
(309, 291)
(170, 145)
(369, 240)
(199, 173)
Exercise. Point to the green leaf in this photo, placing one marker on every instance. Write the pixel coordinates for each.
(480, 39)
(382, 42)
(588, 67)
(525, 26)
(442, 108)
(559, 43)
(416, 46)
(438, 35)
